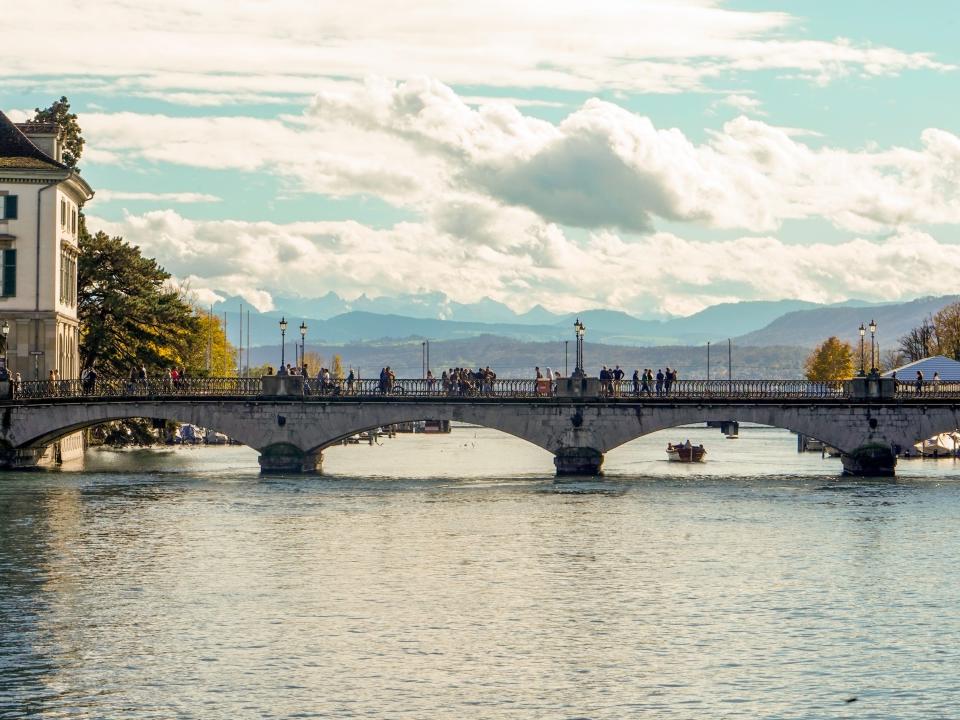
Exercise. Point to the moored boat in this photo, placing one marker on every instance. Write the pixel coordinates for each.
(685, 452)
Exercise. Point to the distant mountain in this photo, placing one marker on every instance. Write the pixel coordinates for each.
(808, 328)
(787, 322)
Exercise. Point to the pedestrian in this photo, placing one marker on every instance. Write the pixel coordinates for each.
(647, 381)
(350, 379)
(660, 382)
(936, 382)
(919, 382)
(636, 382)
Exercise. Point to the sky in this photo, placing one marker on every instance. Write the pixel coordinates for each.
(650, 156)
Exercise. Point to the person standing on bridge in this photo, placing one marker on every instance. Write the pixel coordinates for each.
(636, 381)
(919, 382)
(660, 382)
(936, 383)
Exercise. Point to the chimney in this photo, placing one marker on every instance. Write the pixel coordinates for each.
(46, 136)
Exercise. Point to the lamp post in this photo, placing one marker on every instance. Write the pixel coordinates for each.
(863, 331)
(579, 328)
(566, 358)
(283, 344)
(5, 330)
(873, 357)
(423, 359)
(303, 343)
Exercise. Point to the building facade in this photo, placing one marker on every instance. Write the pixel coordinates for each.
(40, 202)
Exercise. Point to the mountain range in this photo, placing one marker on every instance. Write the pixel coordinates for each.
(435, 317)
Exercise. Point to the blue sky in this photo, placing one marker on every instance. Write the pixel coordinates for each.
(643, 155)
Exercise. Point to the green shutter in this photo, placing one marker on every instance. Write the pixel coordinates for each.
(10, 207)
(9, 273)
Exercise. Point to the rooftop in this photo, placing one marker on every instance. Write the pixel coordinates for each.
(17, 152)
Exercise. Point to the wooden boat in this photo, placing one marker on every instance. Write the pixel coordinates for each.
(685, 452)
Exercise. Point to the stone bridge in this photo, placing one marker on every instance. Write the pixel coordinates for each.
(291, 430)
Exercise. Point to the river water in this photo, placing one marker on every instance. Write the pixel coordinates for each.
(452, 576)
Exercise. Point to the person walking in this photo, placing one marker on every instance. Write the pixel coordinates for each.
(660, 382)
(636, 382)
(647, 381)
(919, 382)
(936, 383)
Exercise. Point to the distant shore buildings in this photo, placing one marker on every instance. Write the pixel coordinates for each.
(40, 201)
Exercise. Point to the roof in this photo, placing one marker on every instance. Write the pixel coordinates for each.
(16, 150)
(949, 370)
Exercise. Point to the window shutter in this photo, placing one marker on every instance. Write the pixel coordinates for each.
(9, 273)
(10, 207)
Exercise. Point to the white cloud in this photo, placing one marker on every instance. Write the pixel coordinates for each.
(603, 166)
(664, 46)
(746, 104)
(540, 262)
(105, 196)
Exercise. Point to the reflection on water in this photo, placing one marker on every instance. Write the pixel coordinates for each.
(454, 576)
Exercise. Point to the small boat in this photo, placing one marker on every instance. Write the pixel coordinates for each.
(685, 452)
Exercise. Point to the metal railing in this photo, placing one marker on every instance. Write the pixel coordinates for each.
(311, 388)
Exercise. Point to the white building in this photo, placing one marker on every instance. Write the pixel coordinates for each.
(40, 200)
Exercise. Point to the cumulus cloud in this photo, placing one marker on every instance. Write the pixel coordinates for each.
(603, 166)
(662, 46)
(542, 263)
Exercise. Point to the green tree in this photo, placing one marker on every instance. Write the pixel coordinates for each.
(129, 314)
(832, 360)
(59, 113)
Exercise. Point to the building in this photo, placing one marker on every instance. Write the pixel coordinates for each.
(40, 201)
(947, 369)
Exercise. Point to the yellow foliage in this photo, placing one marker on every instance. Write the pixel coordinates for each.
(337, 369)
(832, 360)
(209, 353)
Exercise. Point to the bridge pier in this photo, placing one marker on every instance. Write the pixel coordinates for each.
(284, 458)
(870, 460)
(578, 461)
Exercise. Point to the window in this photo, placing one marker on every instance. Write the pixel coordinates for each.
(8, 207)
(68, 278)
(63, 213)
(8, 278)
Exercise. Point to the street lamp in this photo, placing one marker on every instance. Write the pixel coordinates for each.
(303, 343)
(283, 345)
(5, 330)
(863, 331)
(579, 329)
(873, 359)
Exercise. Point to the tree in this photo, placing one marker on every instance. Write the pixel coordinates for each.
(129, 315)
(946, 326)
(337, 369)
(208, 351)
(832, 360)
(919, 342)
(59, 113)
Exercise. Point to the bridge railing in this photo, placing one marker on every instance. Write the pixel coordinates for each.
(734, 389)
(112, 387)
(436, 388)
(909, 390)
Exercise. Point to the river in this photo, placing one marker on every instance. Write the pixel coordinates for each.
(452, 576)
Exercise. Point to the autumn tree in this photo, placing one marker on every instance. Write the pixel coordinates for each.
(59, 113)
(208, 352)
(337, 369)
(832, 360)
(946, 327)
(936, 335)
